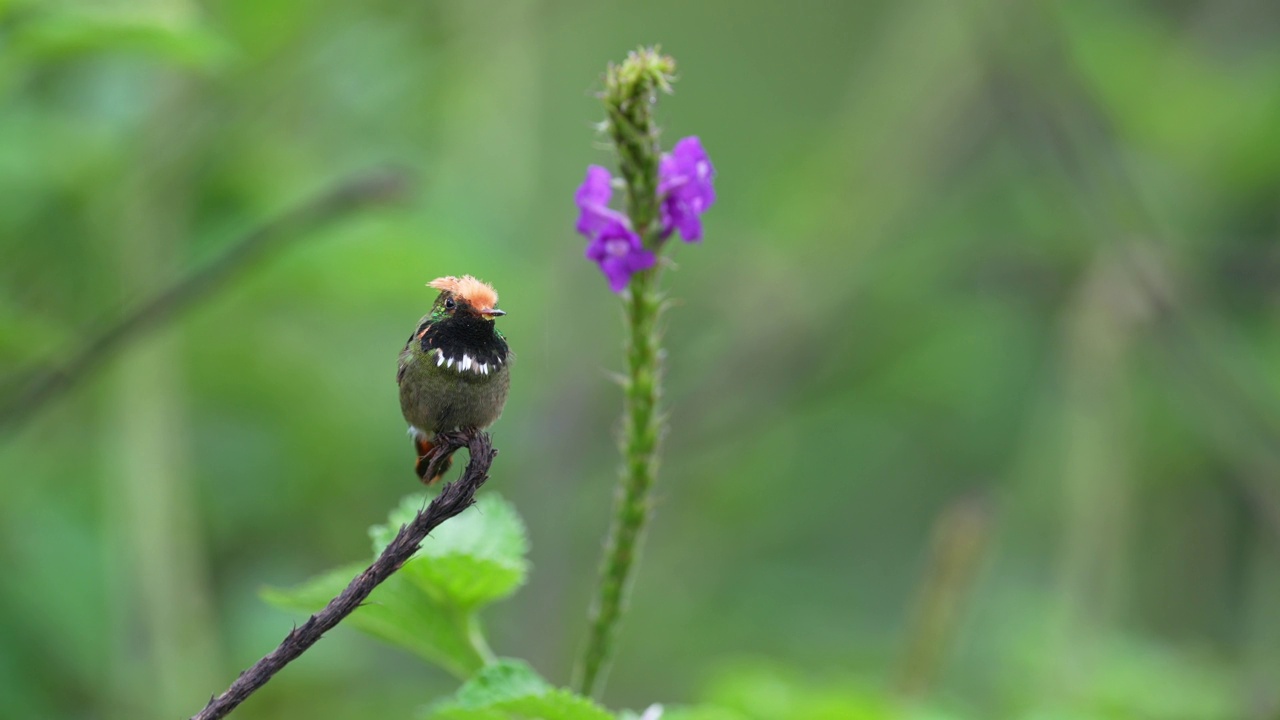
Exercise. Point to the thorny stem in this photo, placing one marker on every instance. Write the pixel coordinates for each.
(630, 93)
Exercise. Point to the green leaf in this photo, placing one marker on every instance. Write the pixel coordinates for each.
(765, 690)
(474, 559)
(429, 606)
(510, 689)
(56, 35)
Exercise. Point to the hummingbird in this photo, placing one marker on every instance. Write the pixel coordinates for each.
(455, 370)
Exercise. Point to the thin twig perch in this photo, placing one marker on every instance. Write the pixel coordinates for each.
(453, 499)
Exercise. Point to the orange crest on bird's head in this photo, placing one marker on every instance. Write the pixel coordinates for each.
(476, 293)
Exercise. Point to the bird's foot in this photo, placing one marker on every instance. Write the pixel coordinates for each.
(436, 455)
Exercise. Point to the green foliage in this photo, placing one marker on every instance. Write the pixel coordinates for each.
(766, 692)
(1130, 679)
(429, 607)
(60, 35)
(474, 559)
(1145, 681)
(511, 690)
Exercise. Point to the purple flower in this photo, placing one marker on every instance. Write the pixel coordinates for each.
(684, 184)
(611, 243)
(620, 254)
(593, 200)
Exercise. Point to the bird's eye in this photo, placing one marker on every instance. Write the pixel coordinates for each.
(449, 304)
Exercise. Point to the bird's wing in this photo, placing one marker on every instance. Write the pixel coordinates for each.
(405, 355)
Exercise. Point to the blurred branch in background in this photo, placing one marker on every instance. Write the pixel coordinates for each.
(1099, 329)
(452, 500)
(1059, 113)
(960, 537)
(40, 386)
(1069, 132)
(1075, 137)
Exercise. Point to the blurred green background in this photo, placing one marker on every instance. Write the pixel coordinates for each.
(972, 386)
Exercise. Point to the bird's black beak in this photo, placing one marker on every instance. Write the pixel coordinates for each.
(491, 313)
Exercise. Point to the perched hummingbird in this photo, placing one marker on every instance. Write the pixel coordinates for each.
(454, 371)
